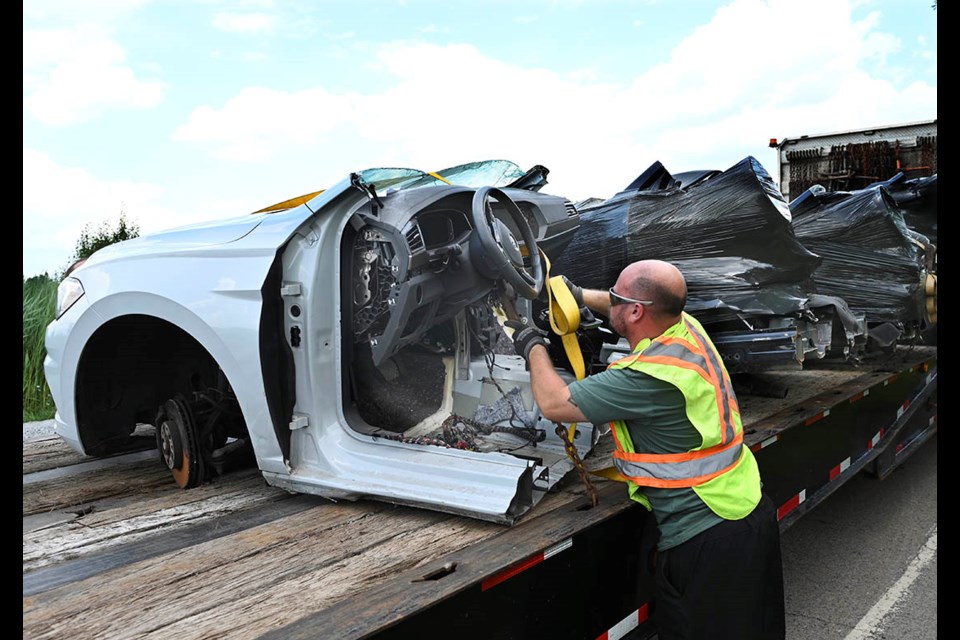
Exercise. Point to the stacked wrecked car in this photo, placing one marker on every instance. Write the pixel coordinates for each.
(831, 275)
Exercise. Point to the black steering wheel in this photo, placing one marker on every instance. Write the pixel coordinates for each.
(496, 253)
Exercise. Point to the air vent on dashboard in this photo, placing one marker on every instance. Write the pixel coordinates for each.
(414, 239)
(571, 209)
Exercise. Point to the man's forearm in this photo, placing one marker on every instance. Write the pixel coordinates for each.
(597, 301)
(549, 389)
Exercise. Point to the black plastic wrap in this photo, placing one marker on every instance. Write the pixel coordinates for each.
(871, 258)
(729, 233)
(917, 199)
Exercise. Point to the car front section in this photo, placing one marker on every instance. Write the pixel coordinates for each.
(350, 345)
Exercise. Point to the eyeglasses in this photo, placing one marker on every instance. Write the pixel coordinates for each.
(616, 298)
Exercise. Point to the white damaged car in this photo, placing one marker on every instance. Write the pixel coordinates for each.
(348, 343)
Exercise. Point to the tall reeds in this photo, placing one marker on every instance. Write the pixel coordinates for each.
(39, 307)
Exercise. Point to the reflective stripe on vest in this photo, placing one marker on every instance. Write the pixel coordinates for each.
(723, 441)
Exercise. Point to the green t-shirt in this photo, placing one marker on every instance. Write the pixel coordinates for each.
(656, 416)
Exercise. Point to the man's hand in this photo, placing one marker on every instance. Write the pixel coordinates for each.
(575, 290)
(525, 337)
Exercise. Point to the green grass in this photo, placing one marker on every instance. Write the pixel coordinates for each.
(39, 307)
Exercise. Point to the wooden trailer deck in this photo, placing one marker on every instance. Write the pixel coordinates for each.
(114, 549)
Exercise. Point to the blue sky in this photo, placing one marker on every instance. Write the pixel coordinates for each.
(182, 111)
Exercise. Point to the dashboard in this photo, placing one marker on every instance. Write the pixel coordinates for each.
(413, 265)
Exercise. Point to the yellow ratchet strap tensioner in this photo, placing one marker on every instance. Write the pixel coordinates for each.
(565, 321)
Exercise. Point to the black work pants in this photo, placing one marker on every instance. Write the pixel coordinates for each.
(725, 583)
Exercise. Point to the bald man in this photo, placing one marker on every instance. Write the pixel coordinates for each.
(679, 445)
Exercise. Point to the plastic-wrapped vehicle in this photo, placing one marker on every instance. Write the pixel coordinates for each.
(884, 269)
(347, 341)
(750, 278)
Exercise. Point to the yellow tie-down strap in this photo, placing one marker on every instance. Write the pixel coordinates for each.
(564, 321)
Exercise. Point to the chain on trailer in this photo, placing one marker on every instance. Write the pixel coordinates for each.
(578, 463)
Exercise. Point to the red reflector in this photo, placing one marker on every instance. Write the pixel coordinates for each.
(520, 567)
(788, 506)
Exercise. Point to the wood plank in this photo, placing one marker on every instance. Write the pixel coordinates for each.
(390, 601)
(105, 526)
(90, 564)
(264, 576)
(73, 491)
(823, 387)
(48, 453)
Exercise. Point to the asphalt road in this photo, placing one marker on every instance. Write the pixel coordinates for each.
(863, 564)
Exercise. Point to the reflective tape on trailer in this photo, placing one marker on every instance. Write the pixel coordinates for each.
(840, 468)
(903, 408)
(791, 504)
(627, 625)
(522, 566)
(784, 509)
(860, 396)
(765, 443)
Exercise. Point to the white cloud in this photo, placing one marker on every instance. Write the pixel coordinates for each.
(233, 22)
(52, 225)
(258, 122)
(744, 53)
(725, 90)
(504, 118)
(730, 86)
(72, 75)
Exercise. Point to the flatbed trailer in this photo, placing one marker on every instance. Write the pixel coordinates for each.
(112, 548)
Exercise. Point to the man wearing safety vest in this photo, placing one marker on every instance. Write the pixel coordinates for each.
(679, 444)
